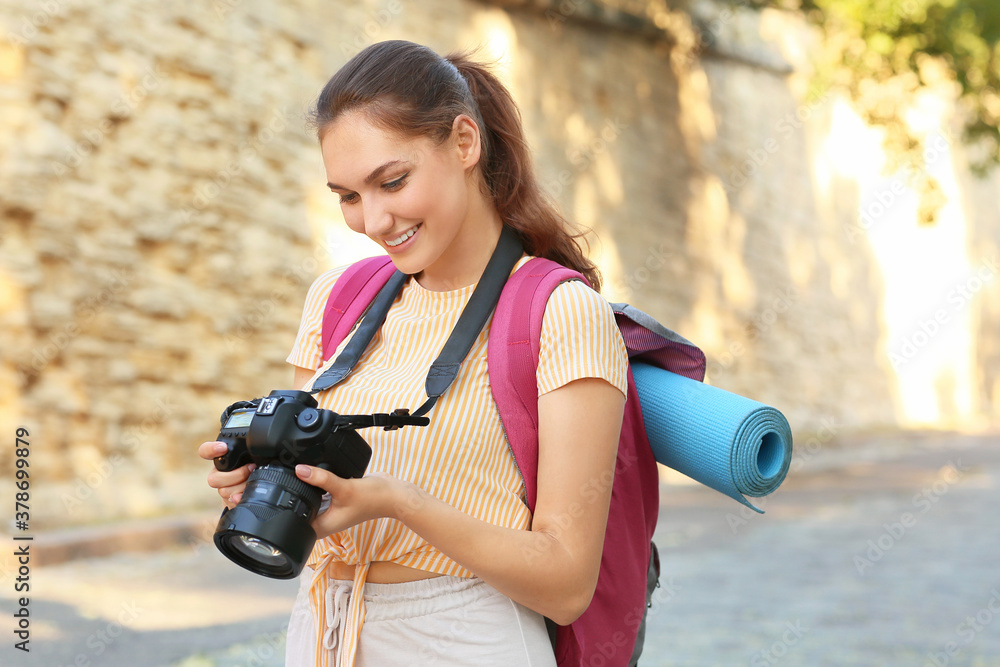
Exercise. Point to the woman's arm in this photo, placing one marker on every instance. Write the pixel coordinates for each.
(552, 568)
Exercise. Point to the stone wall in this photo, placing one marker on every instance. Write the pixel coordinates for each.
(163, 212)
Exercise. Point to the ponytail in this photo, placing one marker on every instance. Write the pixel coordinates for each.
(421, 95)
(510, 178)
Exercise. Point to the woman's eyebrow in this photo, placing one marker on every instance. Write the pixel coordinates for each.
(372, 176)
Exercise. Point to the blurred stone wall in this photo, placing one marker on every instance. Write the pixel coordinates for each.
(163, 212)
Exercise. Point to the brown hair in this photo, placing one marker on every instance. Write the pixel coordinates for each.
(408, 88)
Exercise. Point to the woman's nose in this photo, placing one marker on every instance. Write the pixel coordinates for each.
(378, 220)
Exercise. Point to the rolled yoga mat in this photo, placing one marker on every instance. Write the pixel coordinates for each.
(728, 442)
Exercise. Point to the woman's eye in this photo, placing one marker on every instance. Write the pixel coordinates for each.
(391, 186)
(396, 184)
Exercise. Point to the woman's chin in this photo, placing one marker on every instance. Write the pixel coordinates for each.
(407, 264)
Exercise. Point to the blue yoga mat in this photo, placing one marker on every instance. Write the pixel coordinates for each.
(733, 444)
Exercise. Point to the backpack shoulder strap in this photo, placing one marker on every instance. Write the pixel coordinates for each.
(512, 355)
(350, 297)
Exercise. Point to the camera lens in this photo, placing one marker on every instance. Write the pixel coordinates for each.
(257, 549)
(269, 531)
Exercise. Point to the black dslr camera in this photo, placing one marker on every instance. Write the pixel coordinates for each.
(269, 531)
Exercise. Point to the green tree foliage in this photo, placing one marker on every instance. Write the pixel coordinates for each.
(884, 52)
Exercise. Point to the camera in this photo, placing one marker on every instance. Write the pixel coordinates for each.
(269, 531)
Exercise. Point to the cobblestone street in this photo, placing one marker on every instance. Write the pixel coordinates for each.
(877, 552)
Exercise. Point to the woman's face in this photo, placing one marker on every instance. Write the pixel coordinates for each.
(415, 198)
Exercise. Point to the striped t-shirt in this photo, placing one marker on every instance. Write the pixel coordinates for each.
(462, 457)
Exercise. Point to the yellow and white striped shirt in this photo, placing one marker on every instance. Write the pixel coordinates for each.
(462, 457)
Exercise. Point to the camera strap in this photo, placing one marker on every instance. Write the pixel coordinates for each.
(445, 368)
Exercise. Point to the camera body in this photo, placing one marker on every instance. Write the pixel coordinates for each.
(269, 531)
(287, 428)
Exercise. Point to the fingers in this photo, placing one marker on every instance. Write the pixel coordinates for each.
(232, 494)
(212, 450)
(343, 511)
(318, 477)
(218, 479)
(351, 500)
(230, 485)
(230, 501)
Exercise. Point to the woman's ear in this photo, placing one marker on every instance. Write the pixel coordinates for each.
(465, 134)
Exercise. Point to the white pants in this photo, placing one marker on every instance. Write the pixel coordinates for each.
(440, 622)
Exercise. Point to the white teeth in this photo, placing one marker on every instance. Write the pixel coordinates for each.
(406, 235)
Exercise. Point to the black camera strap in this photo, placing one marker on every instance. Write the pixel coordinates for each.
(445, 368)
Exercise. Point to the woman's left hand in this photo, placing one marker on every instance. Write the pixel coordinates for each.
(352, 501)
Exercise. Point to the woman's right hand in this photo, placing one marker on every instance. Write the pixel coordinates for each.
(230, 485)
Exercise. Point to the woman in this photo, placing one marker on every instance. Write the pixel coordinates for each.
(432, 557)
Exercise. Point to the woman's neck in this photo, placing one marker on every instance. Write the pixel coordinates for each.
(466, 258)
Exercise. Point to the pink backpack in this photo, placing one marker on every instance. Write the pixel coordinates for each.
(612, 630)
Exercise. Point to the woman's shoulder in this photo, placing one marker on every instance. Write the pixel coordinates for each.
(573, 297)
(578, 301)
(580, 339)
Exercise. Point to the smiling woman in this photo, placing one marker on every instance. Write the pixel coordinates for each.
(427, 157)
(418, 199)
